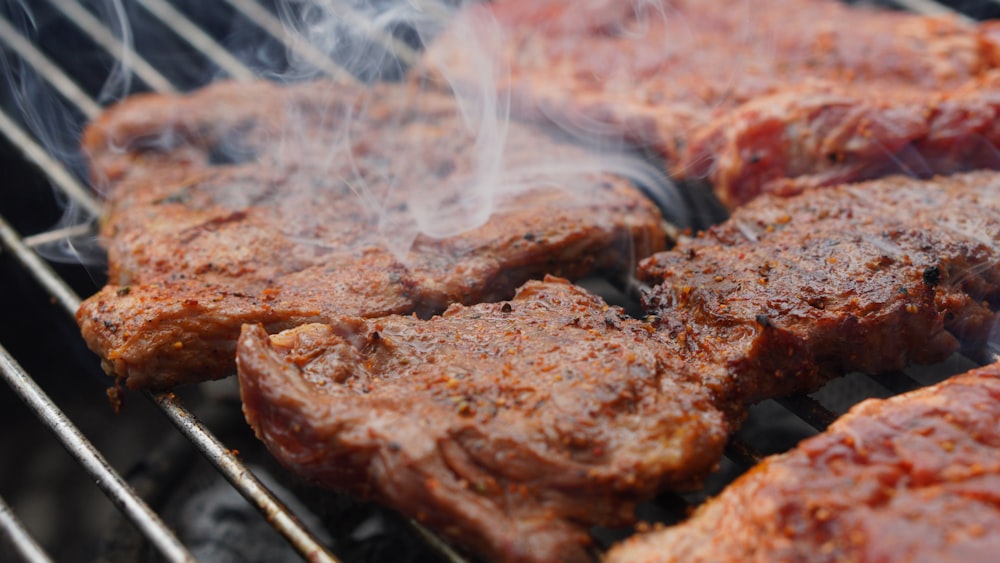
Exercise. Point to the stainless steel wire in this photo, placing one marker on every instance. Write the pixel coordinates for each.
(101, 35)
(215, 451)
(43, 160)
(63, 84)
(251, 488)
(54, 285)
(931, 8)
(22, 541)
(808, 409)
(234, 471)
(198, 39)
(364, 25)
(109, 480)
(294, 41)
(243, 480)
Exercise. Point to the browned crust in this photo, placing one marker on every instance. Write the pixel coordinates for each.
(512, 427)
(756, 97)
(241, 203)
(911, 478)
(790, 292)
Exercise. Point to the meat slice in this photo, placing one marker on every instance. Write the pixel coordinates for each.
(256, 203)
(912, 478)
(788, 293)
(756, 96)
(512, 427)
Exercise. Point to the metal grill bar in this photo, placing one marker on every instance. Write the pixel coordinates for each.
(261, 17)
(87, 455)
(898, 382)
(931, 8)
(107, 40)
(43, 273)
(247, 484)
(741, 453)
(442, 547)
(809, 410)
(243, 479)
(57, 235)
(198, 39)
(234, 471)
(38, 156)
(225, 461)
(20, 539)
(52, 73)
(400, 50)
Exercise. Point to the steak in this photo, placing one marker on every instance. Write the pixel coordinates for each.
(256, 203)
(789, 292)
(512, 427)
(757, 96)
(912, 478)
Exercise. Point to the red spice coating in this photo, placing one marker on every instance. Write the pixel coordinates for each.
(912, 478)
(871, 277)
(256, 203)
(756, 95)
(511, 427)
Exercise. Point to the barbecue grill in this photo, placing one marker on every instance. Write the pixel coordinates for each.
(60, 55)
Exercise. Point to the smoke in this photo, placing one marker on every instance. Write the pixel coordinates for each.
(51, 110)
(381, 41)
(363, 41)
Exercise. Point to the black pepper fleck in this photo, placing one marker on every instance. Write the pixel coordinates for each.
(932, 275)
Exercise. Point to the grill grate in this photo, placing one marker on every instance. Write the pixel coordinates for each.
(25, 252)
(23, 543)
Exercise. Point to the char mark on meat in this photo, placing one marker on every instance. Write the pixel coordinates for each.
(756, 97)
(911, 478)
(872, 277)
(256, 203)
(511, 427)
(492, 422)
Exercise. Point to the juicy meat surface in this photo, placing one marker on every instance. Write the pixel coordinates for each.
(789, 292)
(912, 478)
(512, 427)
(255, 203)
(756, 95)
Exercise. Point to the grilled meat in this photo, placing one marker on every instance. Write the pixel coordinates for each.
(756, 96)
(912, 478)
(790, 292)
(254, 203)
(512, 427)
(813, 135)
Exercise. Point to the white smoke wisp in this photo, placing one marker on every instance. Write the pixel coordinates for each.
(56, 123)
(372, 41)
(343, 30)
(479, 81)
(485, 112)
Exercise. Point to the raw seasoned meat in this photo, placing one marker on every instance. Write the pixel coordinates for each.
(511, 427)
(256, 203)
(756, 95)
(789, 292)
(912, 478)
